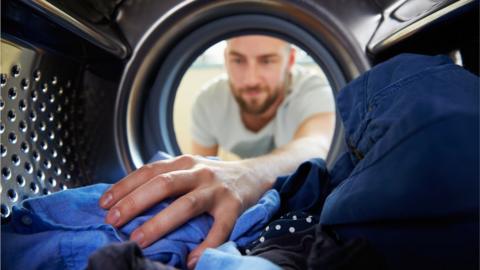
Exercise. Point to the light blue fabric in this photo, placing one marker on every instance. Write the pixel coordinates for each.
(61, 230)
(160, 155)
(227, 257)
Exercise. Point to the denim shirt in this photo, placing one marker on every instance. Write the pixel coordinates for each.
(409, 178)
(409, 181)
(61, 230)
(412, 129)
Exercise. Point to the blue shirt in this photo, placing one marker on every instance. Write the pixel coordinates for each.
(61, 230)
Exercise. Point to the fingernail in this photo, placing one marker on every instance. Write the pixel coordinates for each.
(191, 263)
(138, 237)
(105, 200)
(113, 216)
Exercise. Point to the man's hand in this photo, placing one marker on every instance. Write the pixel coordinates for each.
(222, 189)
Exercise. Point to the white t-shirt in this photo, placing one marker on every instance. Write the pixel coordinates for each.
(216, 115)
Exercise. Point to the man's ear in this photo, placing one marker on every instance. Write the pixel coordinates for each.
(291, 57)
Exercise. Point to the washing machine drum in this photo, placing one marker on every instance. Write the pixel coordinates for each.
(88, 90)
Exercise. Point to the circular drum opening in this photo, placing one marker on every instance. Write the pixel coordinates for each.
(158, 123)
(147, 125)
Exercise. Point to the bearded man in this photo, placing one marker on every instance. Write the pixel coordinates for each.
(263, 103)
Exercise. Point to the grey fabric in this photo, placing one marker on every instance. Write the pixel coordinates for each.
(123, 256)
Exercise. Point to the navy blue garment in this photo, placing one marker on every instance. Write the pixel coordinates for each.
(287, 224)
(412, 127)
(61, 230)
(305, 189)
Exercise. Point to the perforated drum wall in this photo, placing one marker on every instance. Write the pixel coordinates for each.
(40, 150)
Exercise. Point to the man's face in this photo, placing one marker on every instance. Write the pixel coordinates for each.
(258, 68)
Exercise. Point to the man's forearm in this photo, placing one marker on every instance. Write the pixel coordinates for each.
(286, 159)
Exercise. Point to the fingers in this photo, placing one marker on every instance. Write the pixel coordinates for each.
(218, 234)
(145, 196)
(208, 187)
(141, 176)
(175, 215)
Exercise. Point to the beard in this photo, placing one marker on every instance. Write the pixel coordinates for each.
(256, 106)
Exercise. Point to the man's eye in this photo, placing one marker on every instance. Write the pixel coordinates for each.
(237, 60)
(267, 61)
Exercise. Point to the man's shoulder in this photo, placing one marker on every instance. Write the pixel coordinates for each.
(310, 93)
(215, 87)
(306, 80)
(216, 91)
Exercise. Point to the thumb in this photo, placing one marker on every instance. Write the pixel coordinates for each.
(218, 234)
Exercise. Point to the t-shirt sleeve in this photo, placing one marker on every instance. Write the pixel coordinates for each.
(201, 128)
(314, 96)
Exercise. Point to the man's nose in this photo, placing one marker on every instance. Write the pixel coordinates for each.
(252, 76)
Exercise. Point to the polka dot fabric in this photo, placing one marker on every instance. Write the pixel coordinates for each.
(287, 224)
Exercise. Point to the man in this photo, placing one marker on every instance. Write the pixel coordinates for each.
(223, 189)
(263, 104)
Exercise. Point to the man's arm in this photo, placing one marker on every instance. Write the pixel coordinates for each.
(223, 189)
(312, 139)
(198, 149)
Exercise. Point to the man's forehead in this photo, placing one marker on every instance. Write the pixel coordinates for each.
(255, 44)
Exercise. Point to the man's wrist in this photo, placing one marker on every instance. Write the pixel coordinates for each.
(260, 171)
